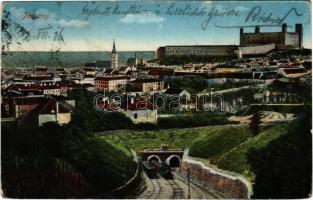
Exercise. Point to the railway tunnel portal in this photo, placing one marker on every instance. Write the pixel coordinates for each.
(172, 157)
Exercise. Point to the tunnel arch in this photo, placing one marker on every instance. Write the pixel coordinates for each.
(154, 157)
(173, 161)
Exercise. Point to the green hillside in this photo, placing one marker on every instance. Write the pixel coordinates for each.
(236, 159)
(228, 148)
(137, 140)
(218, 141)
(60, 162)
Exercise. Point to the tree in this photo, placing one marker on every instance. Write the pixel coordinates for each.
(255, 122)
(283, 169)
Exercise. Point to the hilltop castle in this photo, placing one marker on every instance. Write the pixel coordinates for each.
(250, 43)
(282, 40)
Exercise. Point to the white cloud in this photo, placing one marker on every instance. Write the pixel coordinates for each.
(17, 13)
(142, 19)
(241, 8)
(73, 23)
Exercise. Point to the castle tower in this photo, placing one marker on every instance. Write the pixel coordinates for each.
(114, 57)
(299, 32)
(240, 38)
(284, 28)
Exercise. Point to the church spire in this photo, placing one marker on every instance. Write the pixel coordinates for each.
(114, 50)
(114, 57)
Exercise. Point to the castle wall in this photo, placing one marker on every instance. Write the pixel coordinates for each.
(262, 38)
(199, 50)
(254, 50)
(292, 39)
(282, 40)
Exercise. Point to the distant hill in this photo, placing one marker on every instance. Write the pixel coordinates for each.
(23, 59)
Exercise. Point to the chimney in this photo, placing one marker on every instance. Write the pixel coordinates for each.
(257, 29)
(284, 28)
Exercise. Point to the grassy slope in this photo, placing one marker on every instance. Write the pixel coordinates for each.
(119, 159)
(104, 161)
(219, 141)
(153, 139)
(236, 159)
(228, 149)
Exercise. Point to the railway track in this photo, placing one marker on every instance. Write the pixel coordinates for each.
(160, 188)
(177, 191)
(196, 192)
(151, 191)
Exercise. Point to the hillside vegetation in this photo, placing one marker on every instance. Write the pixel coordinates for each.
(235, 159)
(225, 146)
(66, 161)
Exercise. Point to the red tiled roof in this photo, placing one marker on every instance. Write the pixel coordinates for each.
(139, 105)
(66, 83)
(150, 80)
(48, 106)
(294, 70)
(89, 69)
(27, 100)
(109, 78)
(109, 70)
(42, 69)
(39, 78)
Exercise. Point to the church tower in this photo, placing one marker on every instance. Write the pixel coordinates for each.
(114, 57)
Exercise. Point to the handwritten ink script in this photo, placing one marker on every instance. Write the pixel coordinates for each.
(45, 33)
(33, 16)
(250, 16)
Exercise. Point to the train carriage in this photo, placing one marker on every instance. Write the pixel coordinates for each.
(150, 169)
(163, 169)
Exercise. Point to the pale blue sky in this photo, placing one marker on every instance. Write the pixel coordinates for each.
(145, 31)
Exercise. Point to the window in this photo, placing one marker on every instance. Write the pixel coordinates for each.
(135, 116)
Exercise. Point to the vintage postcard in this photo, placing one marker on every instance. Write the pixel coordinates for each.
(156, 99)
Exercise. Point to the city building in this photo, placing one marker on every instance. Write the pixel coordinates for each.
(110, 82)
(292, 72)
(23, 105)
(40, 70)
(88, 79)
(51, 89)
(49, 110)
(226, 69)
(89, 70)
(147, 85)
(140, 111)
(181, 93)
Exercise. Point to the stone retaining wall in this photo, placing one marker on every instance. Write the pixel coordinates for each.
(230, 186)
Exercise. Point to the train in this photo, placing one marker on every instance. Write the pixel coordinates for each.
(150, 169)
(155, 168)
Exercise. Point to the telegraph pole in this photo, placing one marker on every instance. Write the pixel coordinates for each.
(188, 177)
